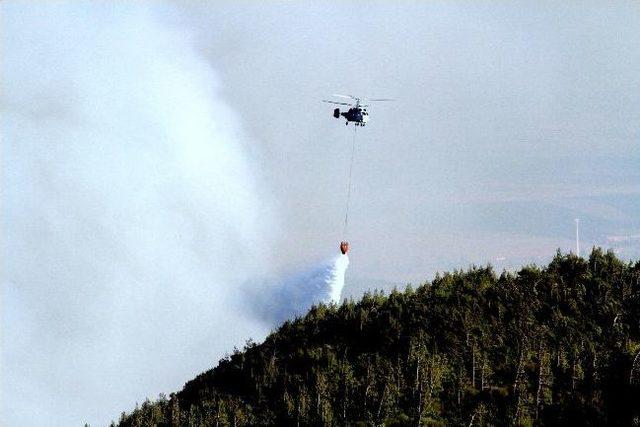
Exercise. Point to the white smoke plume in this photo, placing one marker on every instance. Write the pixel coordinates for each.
(132, 216)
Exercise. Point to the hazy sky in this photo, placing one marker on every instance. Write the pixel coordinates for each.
(164, 163)
(511, 120)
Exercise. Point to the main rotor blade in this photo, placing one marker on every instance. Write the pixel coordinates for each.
(344, 96)
(337, 103)
(379, 99)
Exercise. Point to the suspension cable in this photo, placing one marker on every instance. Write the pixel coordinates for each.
(346, 214)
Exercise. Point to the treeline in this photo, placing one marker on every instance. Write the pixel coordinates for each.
(558, 345)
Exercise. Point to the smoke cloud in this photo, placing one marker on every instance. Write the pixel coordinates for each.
(133, 216)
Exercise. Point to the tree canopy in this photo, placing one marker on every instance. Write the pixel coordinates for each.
(553, 345)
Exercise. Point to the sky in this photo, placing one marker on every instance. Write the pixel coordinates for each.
(510, 122)
(167, 165)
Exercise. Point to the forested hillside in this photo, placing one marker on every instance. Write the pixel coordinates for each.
(554, 345)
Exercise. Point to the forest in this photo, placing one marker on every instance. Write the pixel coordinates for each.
(546, 345)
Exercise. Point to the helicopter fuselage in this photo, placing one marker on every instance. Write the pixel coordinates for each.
(358, 115)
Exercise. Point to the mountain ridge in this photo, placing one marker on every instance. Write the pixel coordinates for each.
(552, 345)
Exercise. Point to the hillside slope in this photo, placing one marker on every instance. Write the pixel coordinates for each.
(545, 346)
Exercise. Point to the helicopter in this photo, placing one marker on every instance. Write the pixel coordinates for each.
(357, 112)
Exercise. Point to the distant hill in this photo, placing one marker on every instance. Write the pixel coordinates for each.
(554, 345)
